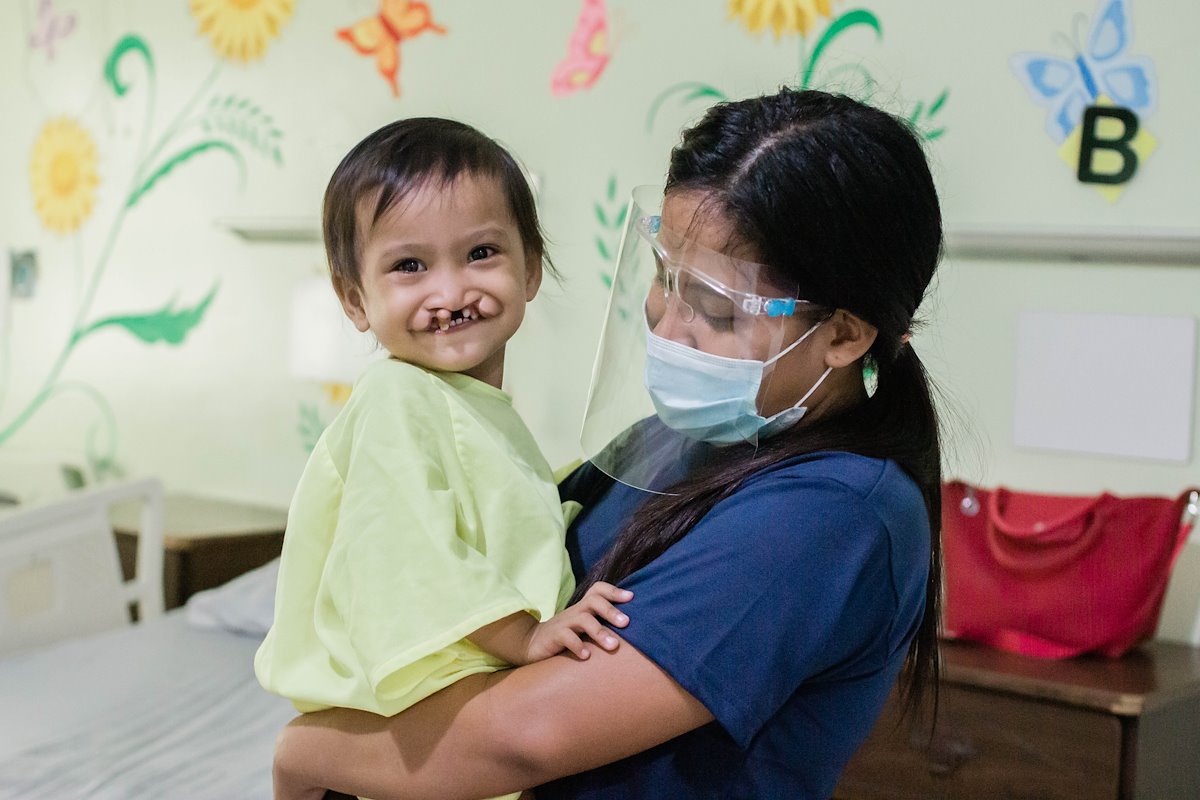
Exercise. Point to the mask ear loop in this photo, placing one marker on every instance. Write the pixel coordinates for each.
(767, 382)
(815, 386)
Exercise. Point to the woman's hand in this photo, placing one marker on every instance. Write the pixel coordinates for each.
(566, 629)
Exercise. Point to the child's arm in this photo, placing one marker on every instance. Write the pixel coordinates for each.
(521, 639)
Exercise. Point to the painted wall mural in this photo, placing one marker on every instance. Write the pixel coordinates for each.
(50, 27)
(379, 37)
(65, 179)
(611, 213)
(588, 51)
(800, 17)
(63, 175)
(1099, 84)
(240, 30)
(784, 16)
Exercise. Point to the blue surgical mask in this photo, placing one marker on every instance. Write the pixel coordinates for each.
(713, 398)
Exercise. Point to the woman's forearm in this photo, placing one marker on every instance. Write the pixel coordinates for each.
(490, 734)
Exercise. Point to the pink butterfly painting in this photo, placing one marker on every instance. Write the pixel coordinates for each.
(587, 52)
(50, 27)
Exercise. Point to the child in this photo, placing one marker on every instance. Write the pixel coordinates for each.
(425, 538)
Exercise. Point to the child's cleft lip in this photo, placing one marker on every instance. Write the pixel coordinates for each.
(443, 322)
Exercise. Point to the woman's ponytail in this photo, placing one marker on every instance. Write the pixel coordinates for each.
(906, 419)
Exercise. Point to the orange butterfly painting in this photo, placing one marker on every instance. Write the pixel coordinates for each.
(587, 52)
(380, 36)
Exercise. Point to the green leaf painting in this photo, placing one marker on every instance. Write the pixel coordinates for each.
(244, 121)
(165, 325)
(852, 78)
(611, 214)
(310, 427)
(225, 124)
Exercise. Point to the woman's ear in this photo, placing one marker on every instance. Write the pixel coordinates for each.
(352, 304)
(850, 338)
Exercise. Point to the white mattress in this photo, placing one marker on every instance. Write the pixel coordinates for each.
(161, 710)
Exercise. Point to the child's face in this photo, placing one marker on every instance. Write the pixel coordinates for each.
(445, 278)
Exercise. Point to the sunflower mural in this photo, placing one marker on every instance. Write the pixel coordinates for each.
(800, 18)
(63, 175)
(240, 30)
(64, 178)
(784, 16)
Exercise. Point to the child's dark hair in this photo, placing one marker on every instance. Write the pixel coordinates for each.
(399, 159)
(838, 199)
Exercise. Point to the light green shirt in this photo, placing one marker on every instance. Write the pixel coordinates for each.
(426, 511)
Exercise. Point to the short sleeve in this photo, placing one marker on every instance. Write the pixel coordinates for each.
(786, 581)
(400, 584)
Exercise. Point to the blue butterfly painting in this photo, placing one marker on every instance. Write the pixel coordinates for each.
(1066, 86)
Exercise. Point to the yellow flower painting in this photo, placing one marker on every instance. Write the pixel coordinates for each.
(784, 16)
(241, 29)
(63, 176)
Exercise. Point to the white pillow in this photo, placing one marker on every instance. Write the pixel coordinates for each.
(245, 605)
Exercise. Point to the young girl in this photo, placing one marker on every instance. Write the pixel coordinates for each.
(425, 538)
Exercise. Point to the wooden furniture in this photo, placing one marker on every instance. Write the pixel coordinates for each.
(207, 542)
(1016, 727)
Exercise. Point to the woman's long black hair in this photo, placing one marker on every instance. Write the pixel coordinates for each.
(837, 197)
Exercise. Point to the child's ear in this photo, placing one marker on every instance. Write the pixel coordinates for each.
(533, 275)
(352, 304)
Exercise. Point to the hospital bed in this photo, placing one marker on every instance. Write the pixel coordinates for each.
(166, 708)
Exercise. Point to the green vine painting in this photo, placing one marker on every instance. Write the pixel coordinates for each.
(854, 78)
(611, 214)
(64, 182)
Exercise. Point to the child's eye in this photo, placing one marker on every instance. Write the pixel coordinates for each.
(481, 252)
(408, 265)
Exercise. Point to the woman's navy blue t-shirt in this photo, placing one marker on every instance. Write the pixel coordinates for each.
(787, 611)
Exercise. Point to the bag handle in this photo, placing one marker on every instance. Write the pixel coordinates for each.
(1040, 554)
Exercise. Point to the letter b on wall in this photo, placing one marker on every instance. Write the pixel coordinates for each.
(1100, 150)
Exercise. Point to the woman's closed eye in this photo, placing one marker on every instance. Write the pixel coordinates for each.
(717, 319)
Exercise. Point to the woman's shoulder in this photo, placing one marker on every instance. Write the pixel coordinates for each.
(835, 490)
(850, 473)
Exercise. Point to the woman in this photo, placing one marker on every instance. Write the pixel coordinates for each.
(777, 522)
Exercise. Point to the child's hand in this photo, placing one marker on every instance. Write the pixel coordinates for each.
(563, 630)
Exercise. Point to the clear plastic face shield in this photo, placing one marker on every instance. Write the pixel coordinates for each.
(689, 346)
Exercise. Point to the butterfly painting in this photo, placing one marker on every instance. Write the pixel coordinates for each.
(380, 36)
(587, 51)
(50, 27)
(1101, 65)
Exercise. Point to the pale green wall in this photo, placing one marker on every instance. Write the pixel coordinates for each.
(219, 413)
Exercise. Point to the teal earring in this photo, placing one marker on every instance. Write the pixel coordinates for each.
(870, 374)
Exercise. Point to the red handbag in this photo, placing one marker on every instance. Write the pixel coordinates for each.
(1057, 576)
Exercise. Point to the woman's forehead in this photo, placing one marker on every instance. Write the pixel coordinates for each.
(696, 218)
(696, 234)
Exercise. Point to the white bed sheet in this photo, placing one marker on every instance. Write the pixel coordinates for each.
(160, 710)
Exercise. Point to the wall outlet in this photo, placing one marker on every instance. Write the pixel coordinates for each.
(24, 272)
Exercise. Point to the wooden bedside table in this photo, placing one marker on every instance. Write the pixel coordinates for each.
(1016, 727)
(207, 541)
